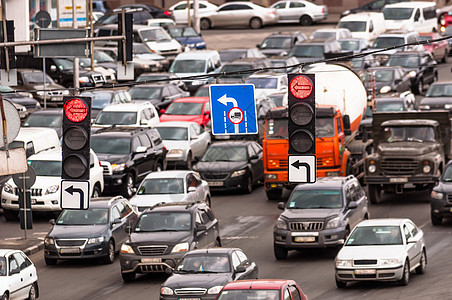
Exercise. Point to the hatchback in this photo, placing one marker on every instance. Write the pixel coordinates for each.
(190, 109)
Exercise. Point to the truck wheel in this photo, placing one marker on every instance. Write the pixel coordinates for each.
(436, 220)
(341, 284)
(10, 215)
(274, 194)
(374, 193)
(280, 252)
(128, 277)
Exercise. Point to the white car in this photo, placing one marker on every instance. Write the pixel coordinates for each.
(381, 250)
(180, 13)
(185, 141)
(45, 192)
(300, 11)
(170, 186)
(331, 33)
(267, 84)
(141, 114)
(18, 276)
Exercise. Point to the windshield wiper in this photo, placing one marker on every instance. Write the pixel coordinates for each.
(396, 140)
(415, 140)
(187, 271)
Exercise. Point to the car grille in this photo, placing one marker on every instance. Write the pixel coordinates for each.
(190, 291)
(168, 52)
(449, 198)
(106, 166)
(361, 262)
(306, 226)
(98, 79)
(218, 176)
(70, 243)
(152, 250)
(152, 268)
(34, 192)
(399, 167)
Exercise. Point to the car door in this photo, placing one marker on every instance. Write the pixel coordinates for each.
(238, 14)
(411, 248)
(192, 182)
(296, 10)
(257, 164)
(180, 13)
(282, 10)
(196, 143)
(139, 159)
(149, 157)
(17, 280)
(202, 235)
(350, 214)
(416, 235)
(127, 216)
(117, 230)
(431, 66)
(27, 272)
(405, 80)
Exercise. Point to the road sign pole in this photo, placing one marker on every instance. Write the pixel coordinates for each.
(76, 64)
(25, 205)
(44, 80)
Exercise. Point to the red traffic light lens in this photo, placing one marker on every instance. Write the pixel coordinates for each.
(76, 110)
(301, 87)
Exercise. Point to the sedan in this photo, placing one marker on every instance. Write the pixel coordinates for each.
(24, 99)
(180, 11)
(101, 98)
(187, 37)
(299, 11)
(438, 96)
(387, 79)
(232, 165)
(190, 109)
(170, 186)
(203, 273)
(160, 95)
(439, 49)
(18, 276)
(239, 14)
(381, 250)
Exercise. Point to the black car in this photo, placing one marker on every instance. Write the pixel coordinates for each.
(438, 96)
(163, 234)
(421, 66)
(244, 64)
(47, 118)
(163, 77)
(102, 98)
(161, 95)
(141, 13)
(228, 55)
(285, 64)
(388, 79)
(232, 165)
(30, 103)
(312, 50)
(280, 43)
(127, 156)
(203, 273)
(375, 6)
(97, 232)
(440, 206)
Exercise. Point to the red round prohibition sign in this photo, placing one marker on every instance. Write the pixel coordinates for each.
(301, 87)
(75, 110)
(235, 115)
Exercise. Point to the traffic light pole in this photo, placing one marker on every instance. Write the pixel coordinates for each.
(75, 62)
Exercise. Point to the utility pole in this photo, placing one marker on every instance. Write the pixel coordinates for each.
(91, 33)
(196, 24)
(76, 63)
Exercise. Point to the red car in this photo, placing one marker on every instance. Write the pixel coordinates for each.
(269, 289)
(191, 109)
(439, 50)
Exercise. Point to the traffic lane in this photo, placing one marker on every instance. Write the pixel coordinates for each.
(11, 229)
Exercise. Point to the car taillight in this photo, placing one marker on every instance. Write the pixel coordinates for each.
(100, 164)
(323, 10)
(168, 13)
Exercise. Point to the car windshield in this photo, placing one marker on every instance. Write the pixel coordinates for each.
(184, 108)
(225, 153)
(145, 92)
(447, 175)
(110, 145)
(99, 99)
(161, 186)
(141, 49)
(211, 263)
(375, 235)
(91, 216)
(358, 63)
(173, 133)
(277, 99)
(311, 199)
(439, 90)
(277, 43)
(384, 75)
(386, 42)
(388, 106)
(249, 294)
(323, 35)
(64, 64)
(182, 32)
(163, 221)
(202, 92)
(102, 57)
(397, 13)
(307, 51)
(407, 61)
(36, 77)
(424, 38)
(263, 83)
(37, 120)
(349, 45)
(226, 55)
(2, 266)
(354, 26)
(236, 68)
(408, 133)
(5, 89)
(188, 66)
(155, 35)
(116, 118)
(46, 167)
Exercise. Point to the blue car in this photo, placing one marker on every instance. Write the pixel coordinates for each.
(187, 37)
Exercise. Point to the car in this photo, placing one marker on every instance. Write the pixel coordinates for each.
(161, 77)
(387, 79)
(245, 64)
(141, 14)
(142, 114)
(35, 140)
(439, 50)
(313, 50)
(280, 43)
(280, 99)
(240, 13)
(420, 66)
(161, 95)
(155, 11)
(185, 141)
(163, 234)
(299, 11)
(191, 109)
(45, 192)
(101, 98)
(439, 198)
(97, 232)
(15, 265)
(447, 32)
(46, 118)
(375, 5)
(398, 102)
(360, 64)
(160, 22)
(284, 64)
(203, 91)
(232, 165)
(229, 55)
(187, 37)
(193, 275)
(364, 25)
(103, 63)
(331, 33)
(171, 186)
(354, 44)
(394, 38)
(277, 289)
(438, 96)
(180, 12)
(413, 15)
(381, 250)
(24, 99)
(319, 215)
(267, 83)
(127, 155)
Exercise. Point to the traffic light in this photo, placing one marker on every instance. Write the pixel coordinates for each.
(128, 20)
(301, 114)
(76, 137)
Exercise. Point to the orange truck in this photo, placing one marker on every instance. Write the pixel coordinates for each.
(341, 100)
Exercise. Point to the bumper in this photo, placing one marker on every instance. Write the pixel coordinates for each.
(316, 239)
(441, 207)
(191, 296)
(320, 17)
(387, 274)
(49, 202)
(67, 253)
(227, 184)
(148, 264)
(421, 179)
(114, 183)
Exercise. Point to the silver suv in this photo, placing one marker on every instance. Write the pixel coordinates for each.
(319, 215)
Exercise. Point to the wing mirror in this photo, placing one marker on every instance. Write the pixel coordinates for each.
(117, 221)
(352, 205)
(281, 205)
(201, 227)
(240, 269)
(53, 68)
(144, 122)
(191, 189)
(52, 221)
(411, 240)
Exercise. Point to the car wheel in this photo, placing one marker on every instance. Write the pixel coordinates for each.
(205, 24)
(255, 23)
(248, 188)
(341, 284)
(10, 215)
(189, 162)
(422, 264)
(374, 193)
(5, 296)
(274, 194)
(96, 192)
(32, 292)
(446, 56)
(128, 277)
(209, 201)
(419, 87)
(305, 20)
(280, 252)
(110, 258)
(406, 274)
(50, 261)
(436, 220)
(128, 186)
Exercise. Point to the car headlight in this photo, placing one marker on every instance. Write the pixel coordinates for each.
(176, 152)
(83, 79)
(385, 89)
(390, 262)
(447, 106)
(281, 224)
(214, 290)
(40, 93)
(116, 168)
(412, 74)
(52, 189)
(343, 263)
(7, 188)
(181, 247)
(333, 223)
(426, 169)
(38, 105)
(66, 92)
(126, 249)
(424, 106)
(372, 168)
(271, 176)
(200, 44)
(166, 291)
(49, 241)
(238, 173)
(437, 195)
(197, 82)
(96, 240)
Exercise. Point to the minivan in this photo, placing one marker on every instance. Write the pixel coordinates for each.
(417, 16)
(364, 25)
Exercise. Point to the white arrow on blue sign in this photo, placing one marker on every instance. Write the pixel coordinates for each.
(233, 109)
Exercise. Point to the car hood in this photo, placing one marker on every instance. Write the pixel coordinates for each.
(408, 148)
(42, 182)
(150, 200)
(48, 86)
(176, 144)
(184, 118)
(76, 231)
(112, 158)
(318, 213)
(436, 102)
(308, 59)
(371, 252)
(275, 52)
(19, 99)
(219, 166)
(164, 45)
(159, 238)
(444, 186)
(201, 280)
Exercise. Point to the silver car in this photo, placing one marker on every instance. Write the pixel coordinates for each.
(239, 14)
(300, 11)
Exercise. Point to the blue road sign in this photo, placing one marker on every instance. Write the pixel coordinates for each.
(233, 109)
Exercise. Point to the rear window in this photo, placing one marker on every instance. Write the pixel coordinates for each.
(397, 13)
(354, 26)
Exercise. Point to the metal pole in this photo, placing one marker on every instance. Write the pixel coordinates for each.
(196, 24)
(44, 80)
(5, 36)
(25, 204)
(76, 64)
(188, 13)
(91, 34)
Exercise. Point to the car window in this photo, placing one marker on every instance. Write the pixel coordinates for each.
(192, 181)
(296, 4)
(243, 259)
(13, 265)
(193, 131)
(412, 228)
(144, 139)
(125, 210)
(145, 115)
(286, 294)
(242, 7)
(406, 232)
(115, 213)
(235, 260)
(227, 7)
(281, 5)
(181, 6)
(203, 217)
(20, 261)
(295, 293)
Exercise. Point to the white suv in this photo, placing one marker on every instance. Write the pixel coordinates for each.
(45, 193)
(132, 114)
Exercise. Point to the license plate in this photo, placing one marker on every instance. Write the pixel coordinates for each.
(151, 260)
(33, 201)
(365, 272)
(399, 179)
(56, 98)
(69, 250)
(188, 298)
(304, 239)
(215, 183)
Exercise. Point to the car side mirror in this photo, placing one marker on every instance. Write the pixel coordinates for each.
(52, 221)
(258, 46)
(346, 121)
(169, 271)
(144, 122)
(352, 205)
(207, 113)
(281, 205)
(240, 269)
(397, 81)
(195, 137)
(255, 156)
(140, 149)
(53, 68)
(191, 189)
(117, 221)
(201, 227)
(411, 240)
(162, 111)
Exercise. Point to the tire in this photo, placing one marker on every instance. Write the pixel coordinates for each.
(128, 184)
(374, 193)
(436, 220)
(50, 261)
(10, 215)
(341, 284)
(274, 194)
(305, 20)
(96, 192)
(419, 87)
(110, 258)
(406, 274)
(32, 294)
(446, 56)
(128, 277)
(209, 201)
(422, 264)
(280, 252)
(5, 296)
(189, 162)
(255, 23)
(248, 188)
(205, 24)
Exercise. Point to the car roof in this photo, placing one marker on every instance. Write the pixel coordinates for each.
(169, 174)
(415, 4)
(175, 124)
(53, 154)
(4, 252)
(325, 183)
(121, 131)
(132, 106)
(57, 111)
(199, 54)
(257, 284)
(415, 122)
(383, 222)
(175, 206)
(193, 99)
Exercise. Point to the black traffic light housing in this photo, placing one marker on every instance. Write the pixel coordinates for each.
(9, 38)
(76, 138)
(301, 114)
(128, 20)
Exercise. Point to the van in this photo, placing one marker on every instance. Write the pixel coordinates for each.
(364, 25)
(417, 16)
(36, 139)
